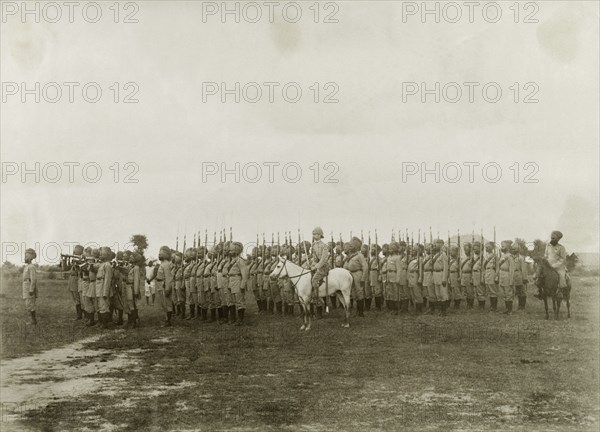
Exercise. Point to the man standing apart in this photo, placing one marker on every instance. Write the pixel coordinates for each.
(30, 284)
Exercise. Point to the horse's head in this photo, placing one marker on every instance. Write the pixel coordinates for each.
(280, 269)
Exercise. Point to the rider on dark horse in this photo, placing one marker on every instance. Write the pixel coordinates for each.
(557, 258)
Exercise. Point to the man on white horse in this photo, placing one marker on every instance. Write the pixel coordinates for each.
(320, 266)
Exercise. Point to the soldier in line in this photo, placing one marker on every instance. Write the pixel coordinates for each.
(74, 285)
(258, 268)
(454, 280)
(132, 289)
(390, 270)
(150, 286)
(288, 288)
(230, 310)
(87, 289)
(440, 276)
(375, 278)
(238, 278)
(402, 273)
(383, 276)
(520, 276)
(179, 285)
(357, 265)
(191, 297)
(274, 283)
(414, 279)
(491, 275)
(164, 283)
(103, 284)
(267, 280)
(210, 286)
(364, 250)
(203, 289)
(506, 272)
(427, 277)
(30, 291)
(477, 275)
(466, 277)
(119, 277)
(92, 255)
(252, 261)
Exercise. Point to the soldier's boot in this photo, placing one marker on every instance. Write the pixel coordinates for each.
(333, 299)
(493, 304)
(395, 307)
(233, 314)
(79, 312)
(192, 312)
(360, 307)
(481, 304)
(240, 320)
(378, 303)
(213, 315)
(91, 322)
(279, 307)
(522, 302)
(418, 308)
(319, 311)
(444, 307)
(102, 319)
(424, 307)
(147, 300)
(204, 314)
(168, 320)
(271, 305)
(432, 305)
(509, 306)
(368, 304)
(456, 304)
(119, 317)
(405, 305)
(265, 306)
(153, 297)
(129, 321)
(32, 320)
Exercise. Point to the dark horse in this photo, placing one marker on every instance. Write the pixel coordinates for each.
(547, 280)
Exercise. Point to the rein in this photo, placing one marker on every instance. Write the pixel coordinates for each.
(293, 277)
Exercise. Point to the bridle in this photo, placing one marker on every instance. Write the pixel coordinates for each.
(304, 272)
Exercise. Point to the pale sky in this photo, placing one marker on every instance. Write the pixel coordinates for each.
(368, 134)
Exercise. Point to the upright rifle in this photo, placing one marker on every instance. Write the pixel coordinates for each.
(419, 257)
(369, 248)
(333, 251)
(448, 280)
(496, 255)
(431, 252)
(458, 259)
(481, 250)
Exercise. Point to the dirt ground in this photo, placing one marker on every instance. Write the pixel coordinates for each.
(472, 370)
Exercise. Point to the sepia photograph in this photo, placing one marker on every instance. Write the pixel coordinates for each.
(310, 215)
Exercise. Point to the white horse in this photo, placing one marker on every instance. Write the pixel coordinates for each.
(339, 282)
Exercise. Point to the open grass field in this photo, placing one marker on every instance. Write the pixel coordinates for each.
(469, 371)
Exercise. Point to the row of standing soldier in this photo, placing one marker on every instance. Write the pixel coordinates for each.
(211, 282)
